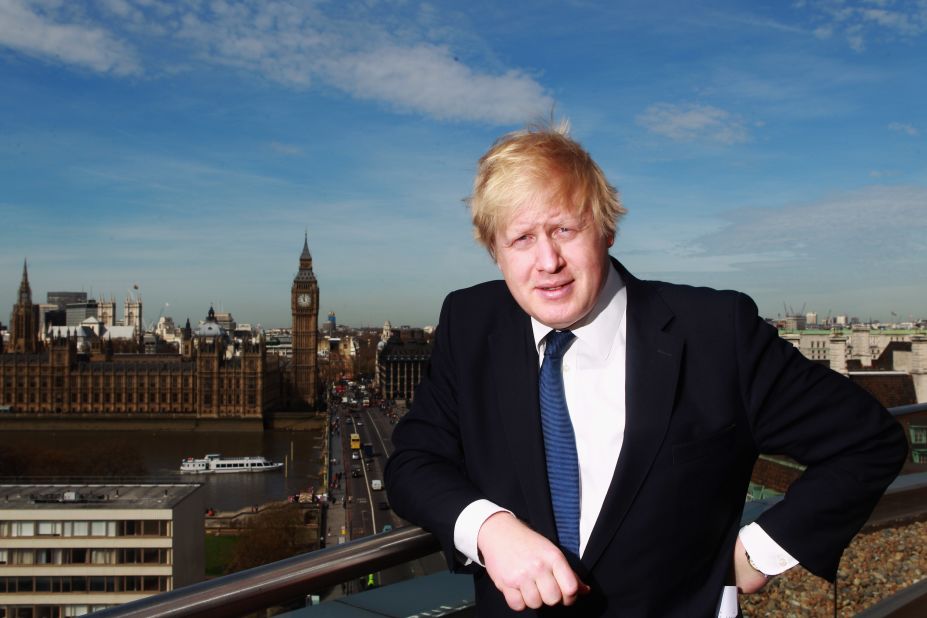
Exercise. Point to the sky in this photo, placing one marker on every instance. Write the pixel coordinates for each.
(186, 147)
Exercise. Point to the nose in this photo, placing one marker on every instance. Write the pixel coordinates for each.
(548, 256)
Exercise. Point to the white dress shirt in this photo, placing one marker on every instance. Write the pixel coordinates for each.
(593, 381)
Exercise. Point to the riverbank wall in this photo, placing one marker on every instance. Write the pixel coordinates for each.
(294, 421)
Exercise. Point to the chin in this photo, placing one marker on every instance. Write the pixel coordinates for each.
(557, 322)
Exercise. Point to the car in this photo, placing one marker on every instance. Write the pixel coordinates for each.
(355, 454)
(360, 423)
(387, 527)
(376, 484)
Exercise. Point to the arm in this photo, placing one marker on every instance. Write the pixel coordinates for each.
(851, 446)
(429, 484)
(748, 578)
(528, 569)
(425, 476)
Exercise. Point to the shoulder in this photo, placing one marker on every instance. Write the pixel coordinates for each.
(699, 300)
(482, 302)
(676, 300)
(487, 290)
(479, 311)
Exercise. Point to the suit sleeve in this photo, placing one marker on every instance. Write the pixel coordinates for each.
(426, 476)
(851, 447)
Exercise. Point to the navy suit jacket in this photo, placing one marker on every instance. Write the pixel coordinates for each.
(709, 385)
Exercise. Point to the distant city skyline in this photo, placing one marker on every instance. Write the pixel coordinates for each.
(777, 150)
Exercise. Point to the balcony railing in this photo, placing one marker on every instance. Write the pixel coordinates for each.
(283, 582)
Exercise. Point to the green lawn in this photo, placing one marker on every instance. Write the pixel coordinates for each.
(218, 554)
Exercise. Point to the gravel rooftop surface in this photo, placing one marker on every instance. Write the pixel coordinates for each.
(875, 566)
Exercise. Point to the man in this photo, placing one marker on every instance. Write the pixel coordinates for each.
(583, 440)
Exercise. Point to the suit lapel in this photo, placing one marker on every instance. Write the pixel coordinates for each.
(653, 358)
(516, 383)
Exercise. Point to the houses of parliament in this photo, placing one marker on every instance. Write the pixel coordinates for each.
(210, 376)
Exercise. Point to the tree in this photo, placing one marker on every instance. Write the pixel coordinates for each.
(274, 534)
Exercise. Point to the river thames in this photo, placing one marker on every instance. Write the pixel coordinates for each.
(162, 451)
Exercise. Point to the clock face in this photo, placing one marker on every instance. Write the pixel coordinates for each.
(303, 300)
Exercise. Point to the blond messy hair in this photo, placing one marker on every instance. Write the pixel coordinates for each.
(521, 163)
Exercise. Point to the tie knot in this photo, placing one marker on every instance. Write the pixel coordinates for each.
(557, 342)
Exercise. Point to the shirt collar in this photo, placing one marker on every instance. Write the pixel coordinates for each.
(598, 329)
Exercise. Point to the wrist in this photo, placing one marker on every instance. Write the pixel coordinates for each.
(754, 566)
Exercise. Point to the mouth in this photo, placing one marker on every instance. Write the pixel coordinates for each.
(554, 289)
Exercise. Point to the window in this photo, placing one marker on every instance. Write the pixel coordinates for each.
(24, 584)
(918, 434)
(24, 528)
(48, 528)
(152, 527)
(100, 556)
(151, 556)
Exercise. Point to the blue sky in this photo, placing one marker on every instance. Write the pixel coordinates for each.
(771, 147)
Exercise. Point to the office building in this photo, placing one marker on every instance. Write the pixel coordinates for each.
(68, 550)
(63, 299)
(78, 312)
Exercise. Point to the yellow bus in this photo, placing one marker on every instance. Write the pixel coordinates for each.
(355, 441)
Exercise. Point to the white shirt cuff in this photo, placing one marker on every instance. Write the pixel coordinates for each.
(729, 607)
(764, 552)
(467, 527)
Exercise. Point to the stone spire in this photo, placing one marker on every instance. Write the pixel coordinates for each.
(24, 331)
(25, 292)
(305, 258)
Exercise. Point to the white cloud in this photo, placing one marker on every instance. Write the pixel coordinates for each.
(901, 127)
(861, 21)
(288, 150)
(844, 230)
(861, 251)
(298, 45)
(39, 35)
(430, 79)
(692, 121)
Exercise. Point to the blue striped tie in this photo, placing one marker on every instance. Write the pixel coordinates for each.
(559, 441)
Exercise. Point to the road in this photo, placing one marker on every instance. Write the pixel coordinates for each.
(367, 509)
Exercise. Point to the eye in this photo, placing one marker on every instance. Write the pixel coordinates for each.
(565, 232)
(522, 240)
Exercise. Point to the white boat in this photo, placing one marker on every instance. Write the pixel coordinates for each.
(215, 463)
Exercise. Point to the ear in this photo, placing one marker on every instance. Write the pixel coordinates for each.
(610, 240)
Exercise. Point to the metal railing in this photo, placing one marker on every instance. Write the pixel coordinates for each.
(281, 582)
(284, 581)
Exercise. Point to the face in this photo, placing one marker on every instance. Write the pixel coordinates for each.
(554, 261)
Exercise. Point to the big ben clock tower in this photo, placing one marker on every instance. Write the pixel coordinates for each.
(304, 302)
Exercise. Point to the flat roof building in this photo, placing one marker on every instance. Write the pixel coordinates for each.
(71, 549)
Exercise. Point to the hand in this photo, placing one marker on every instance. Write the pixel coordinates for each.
(748, 579)
(528, 569)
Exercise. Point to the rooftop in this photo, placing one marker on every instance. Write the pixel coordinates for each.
(94, 496)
